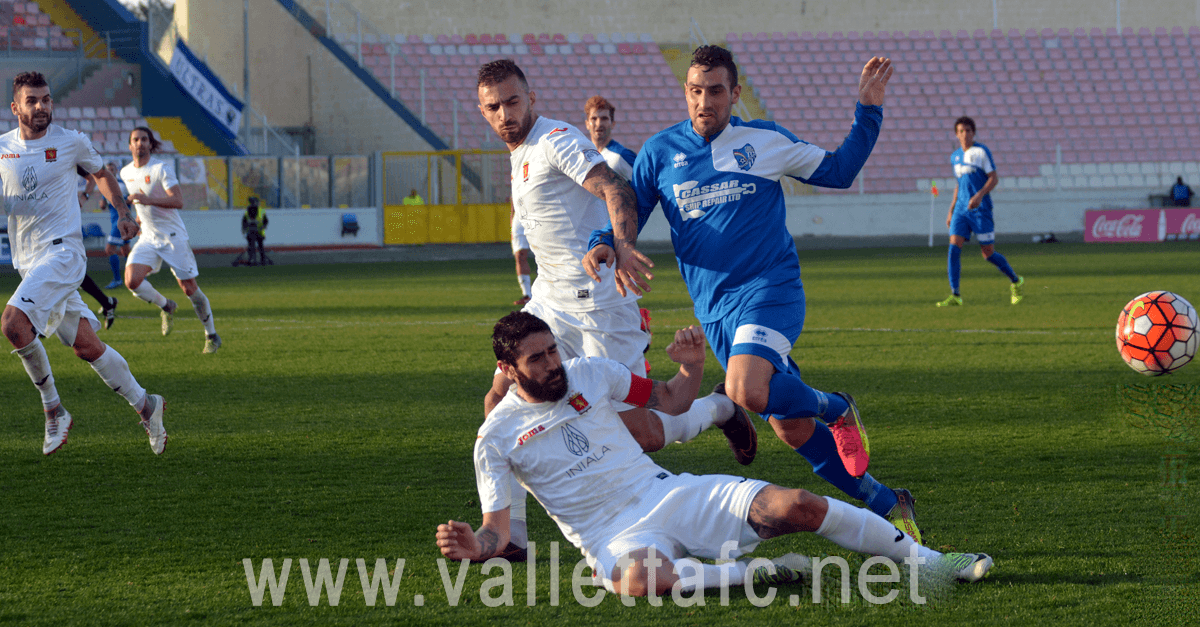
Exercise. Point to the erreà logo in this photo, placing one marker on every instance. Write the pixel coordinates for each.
(578, 402)
(29, 180)
(51, 155)
(680, 159)
(575, 440)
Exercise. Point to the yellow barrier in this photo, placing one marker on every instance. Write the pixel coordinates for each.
(468, 190)
(445, 224)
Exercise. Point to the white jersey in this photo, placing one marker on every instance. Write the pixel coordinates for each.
(40, 195)
(154, 179)
(559, 215)
(575, 456)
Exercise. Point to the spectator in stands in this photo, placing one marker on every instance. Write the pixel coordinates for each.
(154, 193)
(1181, 193)
(971, 211)
(600, 116)
(116, 244)
(414, 198)
(254, 227)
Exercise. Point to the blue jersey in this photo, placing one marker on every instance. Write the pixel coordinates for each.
(619, 158)
(971, 168)
(725, 205)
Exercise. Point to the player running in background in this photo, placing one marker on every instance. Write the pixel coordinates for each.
(971, 211)
(116, 246)
(520, 248)
(619, 505)
(562, 189)
(38, 174)
(154, 192)
(601, 116)
(717, 178)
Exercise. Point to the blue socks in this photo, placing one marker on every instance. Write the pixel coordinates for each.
(114, 262)
(999, 261)
(821, 451)
(791, 397)
(954, 267)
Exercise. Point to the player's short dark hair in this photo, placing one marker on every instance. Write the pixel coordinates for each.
(965, 121)
(28, 79)
(511, 330)
(595, 103)
(498, 71)
(709, 57)
(154, 143)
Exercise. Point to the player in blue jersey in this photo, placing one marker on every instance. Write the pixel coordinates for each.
(718, 180)
(971, 211)
(601, 116)
(115, 244)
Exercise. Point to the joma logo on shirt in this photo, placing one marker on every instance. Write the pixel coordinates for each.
(532, 432)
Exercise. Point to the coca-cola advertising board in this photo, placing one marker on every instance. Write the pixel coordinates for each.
(1141, 225)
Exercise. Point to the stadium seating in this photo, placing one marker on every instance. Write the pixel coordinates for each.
(108, 127)
(1115, 103)
(23, 26)
(563, 69)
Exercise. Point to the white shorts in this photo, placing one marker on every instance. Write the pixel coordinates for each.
(518, 235)
(49, 296)
(175, 252)
(612, 333)
(680, 515)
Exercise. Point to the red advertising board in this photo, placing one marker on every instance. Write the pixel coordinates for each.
(1141, 225)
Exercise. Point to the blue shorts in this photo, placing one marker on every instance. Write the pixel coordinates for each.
(765, 324)
(978, 221)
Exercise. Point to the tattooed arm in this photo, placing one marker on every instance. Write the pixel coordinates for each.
(615, 191)
(456, 541)
(675, 396)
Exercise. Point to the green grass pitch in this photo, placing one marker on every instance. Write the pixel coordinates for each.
(338, 420)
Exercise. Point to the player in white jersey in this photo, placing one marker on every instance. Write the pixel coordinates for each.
(154, 192)
(561, 190)
(601, 116)
(38, 163)
(520, 248)
(558, 434)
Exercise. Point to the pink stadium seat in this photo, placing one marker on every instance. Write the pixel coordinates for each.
(529, 39)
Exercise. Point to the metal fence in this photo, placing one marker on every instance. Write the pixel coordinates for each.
(278, 182)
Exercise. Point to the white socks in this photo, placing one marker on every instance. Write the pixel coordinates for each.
(146, 292)
(526, 285)
(114, 371)
(203, 311)
(33, 357)
(864, 531)
(704, 412)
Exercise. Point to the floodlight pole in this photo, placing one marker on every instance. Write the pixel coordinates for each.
(246, 49)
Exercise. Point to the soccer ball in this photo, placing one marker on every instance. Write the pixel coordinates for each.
(1157, 333)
